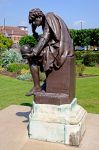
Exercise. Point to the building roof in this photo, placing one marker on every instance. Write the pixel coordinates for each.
(10, 30)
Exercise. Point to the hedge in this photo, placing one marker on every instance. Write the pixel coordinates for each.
(88, 58)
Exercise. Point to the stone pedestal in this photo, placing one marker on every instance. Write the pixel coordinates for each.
(57, 123)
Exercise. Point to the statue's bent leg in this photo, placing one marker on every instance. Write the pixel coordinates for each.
(35, 75)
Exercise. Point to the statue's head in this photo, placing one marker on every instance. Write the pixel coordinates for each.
(36, 17)
(25, 49)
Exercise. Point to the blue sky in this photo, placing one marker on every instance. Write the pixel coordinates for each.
(73, 12)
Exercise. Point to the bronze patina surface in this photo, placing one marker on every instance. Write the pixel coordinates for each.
(54, 55)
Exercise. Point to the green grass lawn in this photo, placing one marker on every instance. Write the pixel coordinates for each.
(12, 91)
(87, 93)
(91, 70)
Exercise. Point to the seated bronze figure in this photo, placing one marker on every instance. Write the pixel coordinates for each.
(52, 49)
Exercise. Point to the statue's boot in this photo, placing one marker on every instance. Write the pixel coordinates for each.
(33, 91)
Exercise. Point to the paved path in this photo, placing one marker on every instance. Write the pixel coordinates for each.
(14, 132)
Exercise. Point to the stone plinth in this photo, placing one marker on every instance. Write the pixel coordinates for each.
(57, 123)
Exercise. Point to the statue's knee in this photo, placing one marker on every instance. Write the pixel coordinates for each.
(34, 67)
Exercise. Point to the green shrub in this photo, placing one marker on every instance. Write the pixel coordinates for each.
(89, 59)
(97, 58)
(80, 69)
(14, 67)
(30, 40)
(24, 66)
(17, 67)
(27, 76)
(42, 76)
(79, 55)
(9, 57)
(5, 43)
(24, 71)
(0, 62)
(24, 77)
(2, 69)
(79, 62)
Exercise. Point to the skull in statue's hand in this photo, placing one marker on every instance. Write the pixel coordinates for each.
(26, 51)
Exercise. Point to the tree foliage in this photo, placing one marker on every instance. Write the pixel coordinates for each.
(94, 35)
(30, 40)
(85, 37)
(5, 43)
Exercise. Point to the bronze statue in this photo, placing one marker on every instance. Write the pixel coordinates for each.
(52, 49)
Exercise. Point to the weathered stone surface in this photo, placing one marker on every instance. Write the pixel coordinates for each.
(62, 124)
(46, 131)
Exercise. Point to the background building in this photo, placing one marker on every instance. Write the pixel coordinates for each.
(15, 33)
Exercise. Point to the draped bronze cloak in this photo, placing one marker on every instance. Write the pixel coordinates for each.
(54, 48)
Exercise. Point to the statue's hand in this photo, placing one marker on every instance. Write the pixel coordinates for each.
(27, 55)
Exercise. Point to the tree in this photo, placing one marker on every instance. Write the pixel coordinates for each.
(73, 34)
(5, 43)
(85, 37)
(30, 40)
(80, 37)
(94, 35)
